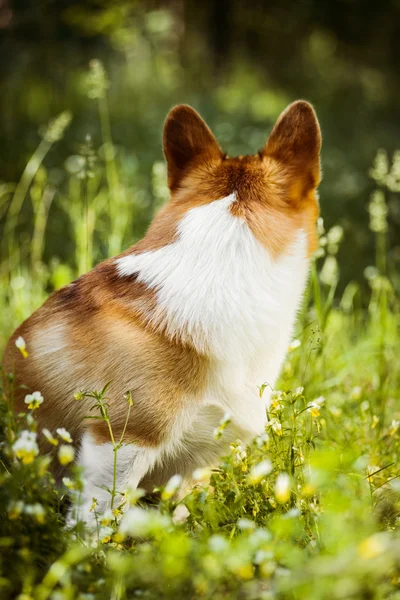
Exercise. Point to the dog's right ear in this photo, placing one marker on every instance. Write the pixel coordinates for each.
(186, 137)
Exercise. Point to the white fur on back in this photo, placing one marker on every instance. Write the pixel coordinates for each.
(218, 287)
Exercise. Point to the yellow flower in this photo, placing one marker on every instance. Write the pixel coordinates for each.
(33, 400)
(20, 343)
(66, 454)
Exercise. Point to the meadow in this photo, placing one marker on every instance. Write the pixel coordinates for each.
(310, 510)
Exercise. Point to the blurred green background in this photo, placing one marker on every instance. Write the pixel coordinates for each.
(238, 62)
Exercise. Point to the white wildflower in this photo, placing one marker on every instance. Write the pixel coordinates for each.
(246, 524)
(202, 475)
(69, 483)
(33, 400)
(355, 393)
(394, 426)
(258, 472)
(106, 518)
(223, 424)
(25, 447)
(298, 392)
(172, 487)
(105, 534)
(20, 344)
(218, 544)
(275, 426)
(293, 345)
(262, 440)
(35, 510)
(139, 522)
(64, 435)
(180, 514)
(314, 407)
(49, 437)
(282, 488)
(330, 271)
(66, 454)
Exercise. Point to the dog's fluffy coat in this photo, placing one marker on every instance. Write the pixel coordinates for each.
(190, 320)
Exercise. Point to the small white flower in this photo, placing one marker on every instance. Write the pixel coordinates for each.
(218, 544)
(330, 271)
(66, 454)
(139, 522)
(202, 475)
(314, 407)
(275, 426)
(356, 392)
(262, 440)
(105, 534)
(33, 400)
(49, 437)
(180, 514)
(298, 391)
(172, 487)
(238, 451)
(223, 424)
(64, 435)
(246, 524)
(15, 509)
(282, 488)
(394, 427)
(258, 472)
(69, 483)
(25, 447)
(20, 344)
(106, 518)
(37, 511)
(293, 345)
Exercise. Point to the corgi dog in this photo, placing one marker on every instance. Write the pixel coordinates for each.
(191, 320)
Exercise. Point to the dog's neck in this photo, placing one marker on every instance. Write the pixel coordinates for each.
(217, 288)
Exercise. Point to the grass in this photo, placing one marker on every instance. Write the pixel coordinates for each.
(310, 510)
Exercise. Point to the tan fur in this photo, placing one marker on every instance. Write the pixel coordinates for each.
(97, 329)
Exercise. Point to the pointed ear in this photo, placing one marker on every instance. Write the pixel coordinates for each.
(296, 141)
(185, 138)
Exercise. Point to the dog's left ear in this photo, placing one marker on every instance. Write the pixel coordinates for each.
(295, 141)
(186, 137)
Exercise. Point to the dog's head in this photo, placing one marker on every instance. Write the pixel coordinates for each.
(273, 191)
